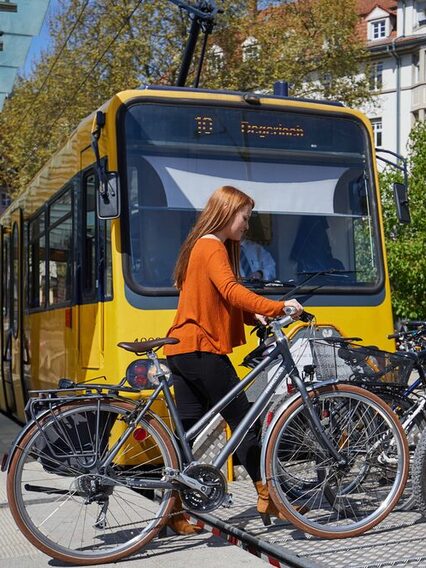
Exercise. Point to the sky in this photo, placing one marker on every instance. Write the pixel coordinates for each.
(40, 42)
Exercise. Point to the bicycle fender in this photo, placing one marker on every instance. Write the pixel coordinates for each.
(7, 458)
(280, 411)
(5, 464)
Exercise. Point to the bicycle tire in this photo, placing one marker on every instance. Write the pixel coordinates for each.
(343, 501)
(418, 475)
(401, 405)
(56, 493)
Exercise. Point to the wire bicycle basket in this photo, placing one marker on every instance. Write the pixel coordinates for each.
(337, 359)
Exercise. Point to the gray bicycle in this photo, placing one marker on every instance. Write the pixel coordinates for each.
(94, 475)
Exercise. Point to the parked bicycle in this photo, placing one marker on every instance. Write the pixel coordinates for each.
(383, 373)
(94, 476)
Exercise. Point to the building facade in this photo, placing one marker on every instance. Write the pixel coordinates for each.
(395, 35)
(20, 21)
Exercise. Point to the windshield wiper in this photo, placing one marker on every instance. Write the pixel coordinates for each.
(328, 272)
(259, 283)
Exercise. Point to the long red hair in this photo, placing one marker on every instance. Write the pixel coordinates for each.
(221, 207)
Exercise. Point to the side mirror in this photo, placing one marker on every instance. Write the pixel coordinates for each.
(401, 202)
(108, 196)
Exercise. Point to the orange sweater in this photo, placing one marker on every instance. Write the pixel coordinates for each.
(213, 306)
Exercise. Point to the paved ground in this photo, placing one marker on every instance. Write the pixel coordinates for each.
(203, 550)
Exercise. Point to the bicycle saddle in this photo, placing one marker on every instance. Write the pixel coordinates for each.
(144, 346)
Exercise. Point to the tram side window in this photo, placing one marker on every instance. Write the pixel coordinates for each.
(105, 253)
(89, 240)
(37, 284)
(97, 260)
(15, 279)
(60, 249)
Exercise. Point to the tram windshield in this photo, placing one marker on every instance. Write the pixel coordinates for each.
(309, 174)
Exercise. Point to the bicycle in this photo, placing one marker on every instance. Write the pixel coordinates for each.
(383, 373)
(94, 477)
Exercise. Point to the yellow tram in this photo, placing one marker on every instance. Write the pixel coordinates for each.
(74, 284)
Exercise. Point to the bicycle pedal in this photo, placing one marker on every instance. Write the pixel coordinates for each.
(228, 501)
(164, 532)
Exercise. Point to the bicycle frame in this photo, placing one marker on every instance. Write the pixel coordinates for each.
(286, 368)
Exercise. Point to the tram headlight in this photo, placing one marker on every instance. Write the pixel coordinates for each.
(141, 374)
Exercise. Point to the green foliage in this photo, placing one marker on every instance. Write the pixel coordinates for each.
(100, 48)
(406, 244)
(311, 44)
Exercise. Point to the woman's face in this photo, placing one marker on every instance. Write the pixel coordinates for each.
(238, 225)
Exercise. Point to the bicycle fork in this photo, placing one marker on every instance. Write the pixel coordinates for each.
(317, 427)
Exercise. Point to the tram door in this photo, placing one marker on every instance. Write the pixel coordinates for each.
(91, 310)
(12, 305)
(4, 297)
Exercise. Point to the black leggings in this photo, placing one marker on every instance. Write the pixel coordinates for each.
(200, 380)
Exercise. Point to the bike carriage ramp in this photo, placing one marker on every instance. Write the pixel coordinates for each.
(399, 540)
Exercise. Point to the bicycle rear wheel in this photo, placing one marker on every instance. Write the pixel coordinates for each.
(68, 508)
(325, 499)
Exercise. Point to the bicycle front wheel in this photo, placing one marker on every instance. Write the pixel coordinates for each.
(315, 493)
(70, 509)
(418, 475)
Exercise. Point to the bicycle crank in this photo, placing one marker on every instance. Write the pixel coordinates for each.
(211, 488)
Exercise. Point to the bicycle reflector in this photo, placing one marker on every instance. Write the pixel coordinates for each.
(140, 374)
(137, 374)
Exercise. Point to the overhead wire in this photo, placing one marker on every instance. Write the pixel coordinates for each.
(78, 20)
(114, 39)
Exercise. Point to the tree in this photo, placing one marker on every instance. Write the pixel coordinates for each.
(312, 44)
(100, 48)
(406, 244)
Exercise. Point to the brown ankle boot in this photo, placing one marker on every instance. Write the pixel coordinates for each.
(265, 506)
(178, 522)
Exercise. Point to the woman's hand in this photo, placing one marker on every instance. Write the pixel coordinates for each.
(261, 319)
(294, 304)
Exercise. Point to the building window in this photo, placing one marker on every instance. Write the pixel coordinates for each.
(216, 57)
(378, 29)
(416, 68)
(326, 81)
(376, 123)
(421, 13)
(251, 48)
(4, 200)
(376, 76)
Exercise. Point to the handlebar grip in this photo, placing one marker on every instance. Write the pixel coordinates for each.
(289, 310)
(393, 336)
(305, 316)
(66, 384)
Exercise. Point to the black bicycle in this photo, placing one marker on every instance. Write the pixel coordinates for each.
(94, 476)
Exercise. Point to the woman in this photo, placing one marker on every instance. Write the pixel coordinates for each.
(213, 307)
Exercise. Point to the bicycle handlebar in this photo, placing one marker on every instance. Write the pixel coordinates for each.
(305, 316)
